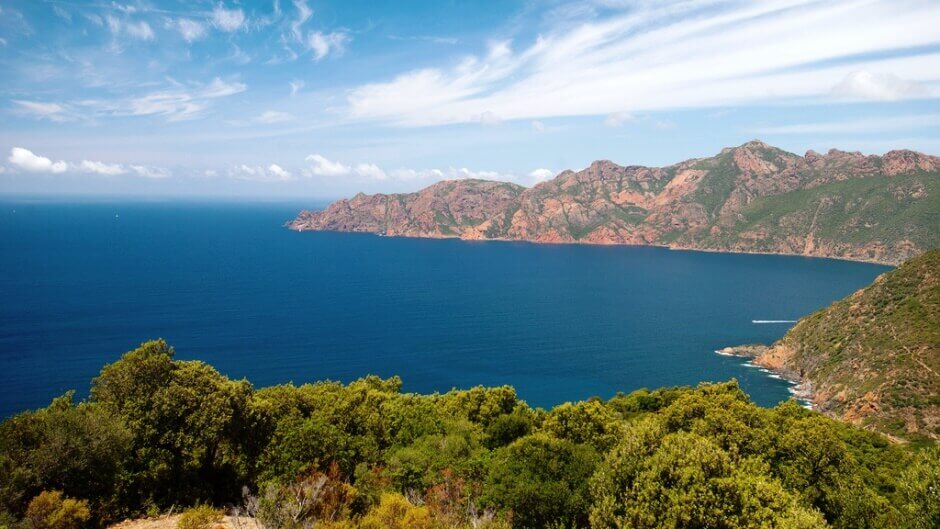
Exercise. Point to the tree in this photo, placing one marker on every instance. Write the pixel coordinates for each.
(541, 480)
(77, 449)
(683, 480)
(189, 424)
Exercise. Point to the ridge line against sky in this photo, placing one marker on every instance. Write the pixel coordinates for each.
(327, 98)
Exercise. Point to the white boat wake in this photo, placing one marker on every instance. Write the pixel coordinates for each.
(773, 321)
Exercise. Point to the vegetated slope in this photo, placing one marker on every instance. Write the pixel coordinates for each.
(751, 198)
(158, 435)
(873, 358)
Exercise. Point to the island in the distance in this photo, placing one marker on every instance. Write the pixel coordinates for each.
(751, 198)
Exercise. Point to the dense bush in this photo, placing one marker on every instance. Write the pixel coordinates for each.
(158, 433)
(200, 517)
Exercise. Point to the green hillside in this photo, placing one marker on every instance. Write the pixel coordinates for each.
(874, 357)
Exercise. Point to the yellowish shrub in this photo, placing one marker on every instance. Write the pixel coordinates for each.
(52, 510)
(199, 517)
(396, 512)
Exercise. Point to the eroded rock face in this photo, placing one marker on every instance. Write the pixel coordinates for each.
(751, 198)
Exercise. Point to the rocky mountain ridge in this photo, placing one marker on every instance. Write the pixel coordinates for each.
(750, 198)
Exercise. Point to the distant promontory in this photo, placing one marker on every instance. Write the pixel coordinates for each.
(751, 198)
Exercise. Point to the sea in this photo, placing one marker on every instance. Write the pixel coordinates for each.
(83, 281)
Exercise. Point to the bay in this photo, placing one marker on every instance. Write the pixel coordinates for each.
(83, 281)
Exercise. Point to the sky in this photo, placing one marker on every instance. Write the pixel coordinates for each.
(326, 98)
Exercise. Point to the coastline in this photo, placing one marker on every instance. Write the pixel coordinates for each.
(800, 388)
(892, 264)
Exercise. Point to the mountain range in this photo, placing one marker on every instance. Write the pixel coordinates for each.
(750, 198)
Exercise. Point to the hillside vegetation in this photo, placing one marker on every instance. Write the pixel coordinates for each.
(159, 434)
(873, 358)
(751, 198)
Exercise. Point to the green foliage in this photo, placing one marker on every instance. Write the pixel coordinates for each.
(52, 510)
(80, 450)
(919, 491)
(158, 432)
(189, 425)
(541, 481)
(199, 517)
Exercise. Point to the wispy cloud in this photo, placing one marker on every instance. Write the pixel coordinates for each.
(879, 87)
(228, 20)
(274, 116)
(323, 44)
(425, 38)
(190, 30)
(856, 126)
(177, 104)
(139, 30)
(50, 111)
(666, 55)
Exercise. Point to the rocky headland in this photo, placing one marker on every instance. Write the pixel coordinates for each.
(753, 198)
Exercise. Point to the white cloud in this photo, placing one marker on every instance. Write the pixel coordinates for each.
(52, 111)
(220, 88)
(274, 116)
(272, 173)
(856, 126)
(101, 168)
(140, 30)
(321, 166)
(303, 14)
(3, 41)
(370, 170)
(25, 159)
(227, 19)
(180, 103)
(541, 174)
(323, 44)
(62, 13)
(190, 29)
(863, 84)
(663, 55)
(296, 87)
(151, 172)
(278, 172)
(489, 119)
(617, 119)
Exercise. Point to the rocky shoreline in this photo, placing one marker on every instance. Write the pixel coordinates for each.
(762, 357)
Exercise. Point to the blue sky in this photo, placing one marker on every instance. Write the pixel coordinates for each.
(310, 98)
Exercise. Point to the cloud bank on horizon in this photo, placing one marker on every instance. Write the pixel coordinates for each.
(325, 98)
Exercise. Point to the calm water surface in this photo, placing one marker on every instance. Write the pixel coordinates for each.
(81, 283)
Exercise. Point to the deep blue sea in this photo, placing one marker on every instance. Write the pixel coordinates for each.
(81, 283)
